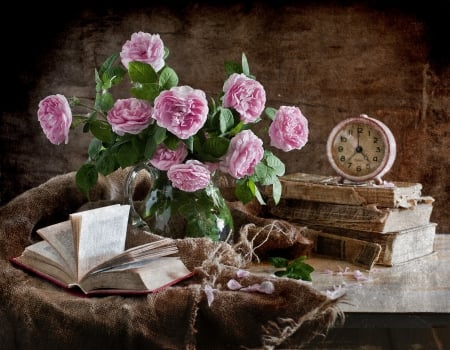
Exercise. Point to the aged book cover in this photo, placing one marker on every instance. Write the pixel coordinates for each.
(328, 189)
(355, 217)
(356, 251)
(88, 251)
(396, 247)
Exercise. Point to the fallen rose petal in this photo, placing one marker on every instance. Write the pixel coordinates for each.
(234, 285)
(242, 273)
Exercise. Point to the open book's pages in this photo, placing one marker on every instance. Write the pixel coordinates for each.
(87, 251)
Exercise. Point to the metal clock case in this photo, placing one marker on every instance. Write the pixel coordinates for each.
(361, 149)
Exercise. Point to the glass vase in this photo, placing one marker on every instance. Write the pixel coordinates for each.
(170, 212)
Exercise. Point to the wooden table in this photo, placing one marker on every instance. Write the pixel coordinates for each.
(401, 307)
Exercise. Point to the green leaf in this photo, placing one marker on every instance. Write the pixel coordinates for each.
(274, 163)
(86, 177)
(77, 120)
(216, 146)
(146, 91)
(113, 76)
(94, 148)
(127, 155)
(159, 134)
(296, 269)
(279, 262)
(166, 52)
(109, 62)
(245, 190)
(141, 72)
(106, 163)
(270, 112)
(245, 66)
(276, 190)
(168, 78)
(104, 101)
(232, 67)
(226, 120)
(101, 130)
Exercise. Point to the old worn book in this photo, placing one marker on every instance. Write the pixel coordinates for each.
(88, 252)
(355, 217)
(356, 251)
(396, 247)
(328, 189)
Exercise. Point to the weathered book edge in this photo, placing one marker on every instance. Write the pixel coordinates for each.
(353, 217)
(396, 247)
(356, 251)
(321, 188)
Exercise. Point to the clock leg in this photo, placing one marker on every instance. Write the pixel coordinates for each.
(378, 180)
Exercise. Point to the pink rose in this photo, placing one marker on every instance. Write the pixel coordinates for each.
(289, 130)
(190, 176)
(182, 110)
(144, 47)
(244, 153)
(130, 115)
(164, 158)
(245, 95)
(55, 117)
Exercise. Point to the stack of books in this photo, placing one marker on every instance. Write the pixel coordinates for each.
(366, 224)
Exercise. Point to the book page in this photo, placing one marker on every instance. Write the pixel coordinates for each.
(59, 236)
(136, 255)
(150, 275)
(43, 257)
(99, 234)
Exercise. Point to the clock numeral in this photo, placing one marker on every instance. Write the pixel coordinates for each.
(350, 132)
(343, 139)
(375, 140)
(360, 130)
(358, 168)
(378, 149)
(340, 149)
(342, 158)
(375, 159)
(349, 165)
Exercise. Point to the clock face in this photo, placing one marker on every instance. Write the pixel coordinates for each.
(361, 149)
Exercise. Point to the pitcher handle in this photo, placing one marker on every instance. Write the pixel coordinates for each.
(135, 218)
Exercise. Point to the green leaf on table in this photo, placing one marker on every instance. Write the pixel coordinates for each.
(297, 269)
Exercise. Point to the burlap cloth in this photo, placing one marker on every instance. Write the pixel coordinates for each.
(34, 314)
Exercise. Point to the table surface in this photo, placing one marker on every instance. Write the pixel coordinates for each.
(421, 285)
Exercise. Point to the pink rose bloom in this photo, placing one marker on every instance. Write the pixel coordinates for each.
(182, 110)
(190, 176)
(55, 117)
(164, 158)
(289, 130)
(144, 47)
(245, 95)
(244, 153)
(130, 115)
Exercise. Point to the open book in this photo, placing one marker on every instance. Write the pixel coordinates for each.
(88, 251)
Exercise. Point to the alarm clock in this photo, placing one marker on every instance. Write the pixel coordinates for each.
(361, 149)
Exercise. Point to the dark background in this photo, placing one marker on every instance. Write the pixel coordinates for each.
(388, 59)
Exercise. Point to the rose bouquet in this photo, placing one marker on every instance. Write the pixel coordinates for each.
(175, 128)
